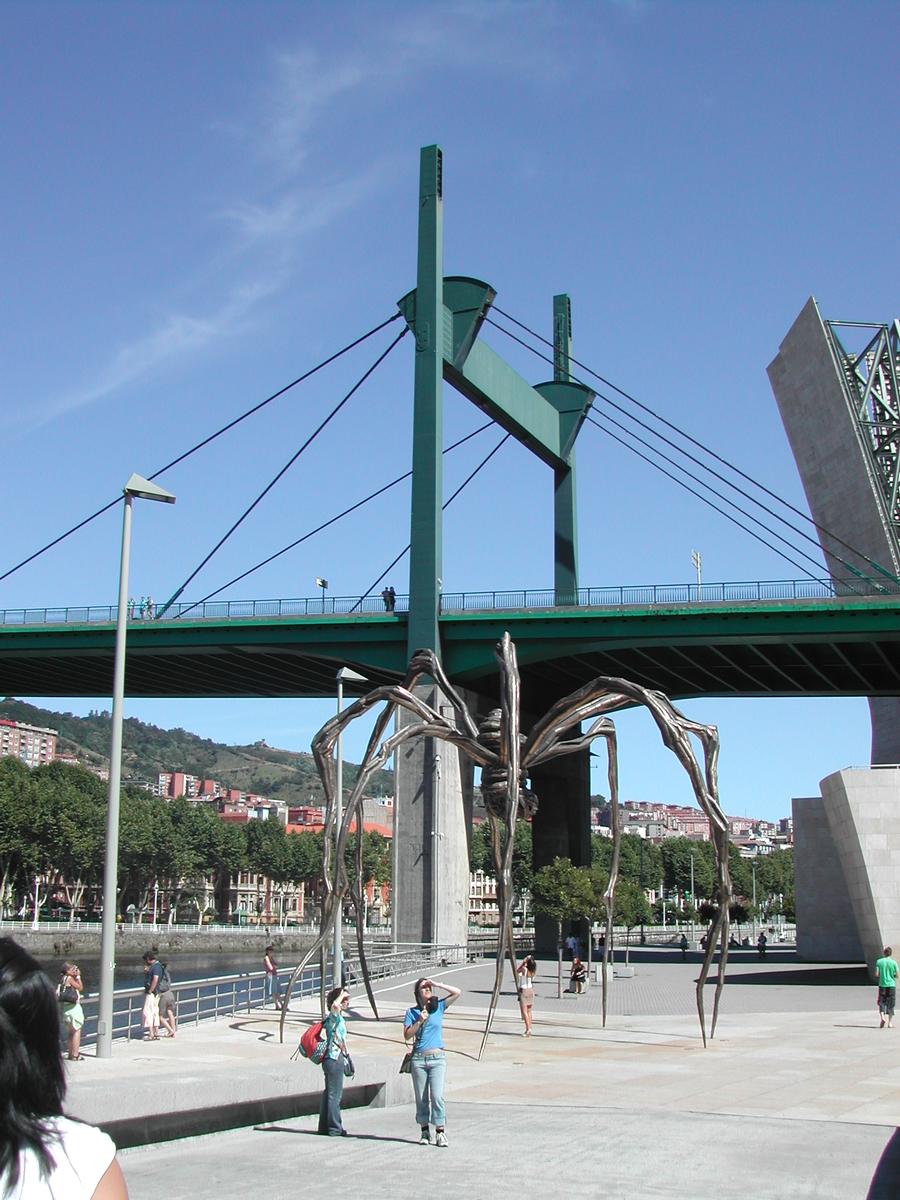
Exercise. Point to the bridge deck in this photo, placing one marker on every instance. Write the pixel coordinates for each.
(847, 646)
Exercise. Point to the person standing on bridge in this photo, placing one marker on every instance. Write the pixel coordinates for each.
(389, 596)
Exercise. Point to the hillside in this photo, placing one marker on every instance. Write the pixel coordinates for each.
(146, 750)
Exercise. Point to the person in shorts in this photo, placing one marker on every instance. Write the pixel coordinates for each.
(526, 972)
(167, 1012)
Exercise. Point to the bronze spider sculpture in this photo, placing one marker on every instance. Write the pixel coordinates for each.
(506, 757)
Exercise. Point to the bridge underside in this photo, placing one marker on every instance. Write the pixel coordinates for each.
(845, 647)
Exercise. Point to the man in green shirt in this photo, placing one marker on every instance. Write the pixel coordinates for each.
(887, 986)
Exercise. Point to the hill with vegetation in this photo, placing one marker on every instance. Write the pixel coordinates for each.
(147, 750)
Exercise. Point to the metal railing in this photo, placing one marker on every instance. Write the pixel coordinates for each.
(528, 599)
(210, 929)
(210, 999)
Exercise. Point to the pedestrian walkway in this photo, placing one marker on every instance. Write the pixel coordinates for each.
(802, 1101)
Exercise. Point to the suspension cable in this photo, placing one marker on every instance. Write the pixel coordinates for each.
(287, 466)
(325, 524)
(444, 508)
(700, 445)
(700, 496)
(205, 442)
(685, 471)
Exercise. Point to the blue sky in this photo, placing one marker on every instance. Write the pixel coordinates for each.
(204, 200)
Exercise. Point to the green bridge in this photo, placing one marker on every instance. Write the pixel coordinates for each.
(825, 646)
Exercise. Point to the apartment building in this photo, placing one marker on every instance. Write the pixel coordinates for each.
(31, 744)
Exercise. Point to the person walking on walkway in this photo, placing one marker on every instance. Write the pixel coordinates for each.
(42, 1153)
(69, 993)
(424, 1025)
(526, 972)
(683, 945)
(335, 1030)
(761, 942)
(887, 987)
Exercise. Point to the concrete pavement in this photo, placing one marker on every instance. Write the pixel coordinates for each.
(799, 1095)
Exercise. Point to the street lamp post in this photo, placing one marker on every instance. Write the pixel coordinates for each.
(693, 905)
(351, 676)
(753, 869)
(697, 560)
(145, 490)
(323, 584)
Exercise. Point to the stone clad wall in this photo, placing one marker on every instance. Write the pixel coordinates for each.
(826, 923)
(862, 806)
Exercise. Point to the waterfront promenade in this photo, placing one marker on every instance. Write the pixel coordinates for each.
(799, 1095)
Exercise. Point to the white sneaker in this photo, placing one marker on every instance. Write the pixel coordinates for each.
(441, 1138)
(425, 1138)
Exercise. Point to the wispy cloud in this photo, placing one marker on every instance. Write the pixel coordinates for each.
(302, 211)
(304, 86)
(266, 231)
(177, 337)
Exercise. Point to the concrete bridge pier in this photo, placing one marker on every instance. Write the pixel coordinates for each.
(561, 827)
(432, 823)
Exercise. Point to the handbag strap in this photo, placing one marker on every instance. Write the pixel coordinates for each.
(330, 1034)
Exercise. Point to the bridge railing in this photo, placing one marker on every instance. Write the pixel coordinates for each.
(454, 602)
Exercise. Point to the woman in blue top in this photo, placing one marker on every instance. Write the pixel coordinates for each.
(335, 1030)
(424, 1026)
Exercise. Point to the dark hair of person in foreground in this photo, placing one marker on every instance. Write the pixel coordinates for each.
(32, 1078)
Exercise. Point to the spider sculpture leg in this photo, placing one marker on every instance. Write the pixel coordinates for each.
(608, 694)
(429, 724)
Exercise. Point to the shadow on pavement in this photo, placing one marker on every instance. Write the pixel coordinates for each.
(806, 977)
(359, 1137)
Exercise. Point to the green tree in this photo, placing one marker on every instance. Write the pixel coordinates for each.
(562, 892)
(677, 854)
(631, 905)
(640, 861)
(15, 782)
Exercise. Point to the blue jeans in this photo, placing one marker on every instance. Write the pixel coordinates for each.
(273, 988)
(330, 1107)
(428, 1081)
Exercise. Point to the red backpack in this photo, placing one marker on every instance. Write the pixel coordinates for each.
(314, 1042)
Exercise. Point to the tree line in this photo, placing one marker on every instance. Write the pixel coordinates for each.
(682, 868)
(171, 853)
(53, 847)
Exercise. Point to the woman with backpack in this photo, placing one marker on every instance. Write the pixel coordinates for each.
(167, 1015)
(333, 1064)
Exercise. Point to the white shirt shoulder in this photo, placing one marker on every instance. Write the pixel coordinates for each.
(81, 1156)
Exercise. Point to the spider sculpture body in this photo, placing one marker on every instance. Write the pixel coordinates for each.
(507, 757)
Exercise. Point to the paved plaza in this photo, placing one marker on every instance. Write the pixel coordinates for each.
(798, 1095)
